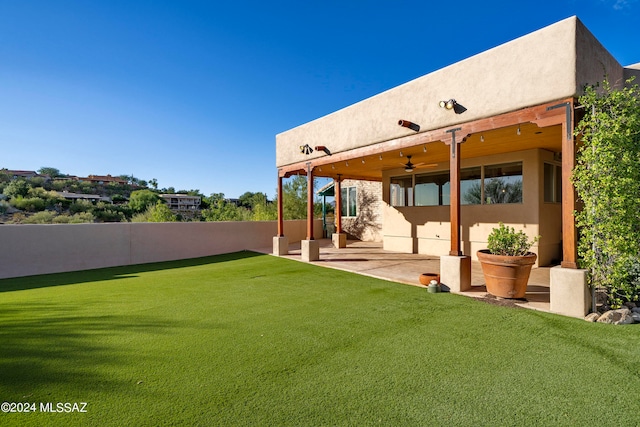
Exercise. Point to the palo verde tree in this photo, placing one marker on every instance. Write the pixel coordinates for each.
(607, 180)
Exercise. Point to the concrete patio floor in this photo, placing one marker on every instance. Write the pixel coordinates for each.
(368, 258)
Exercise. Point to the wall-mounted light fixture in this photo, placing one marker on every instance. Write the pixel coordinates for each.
(481, 138)
(408, 124)
(452, 104)
(305, 149)
(518, 131)
(448, 104)
(401, 154)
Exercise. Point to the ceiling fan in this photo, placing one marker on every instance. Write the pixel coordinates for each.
(409, 167)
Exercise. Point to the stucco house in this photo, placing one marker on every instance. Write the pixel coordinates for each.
(456, 151)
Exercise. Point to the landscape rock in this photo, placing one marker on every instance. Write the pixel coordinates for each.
(635, 310)
(592, 317)
(636, 317)
(621, 316)
(630, 305)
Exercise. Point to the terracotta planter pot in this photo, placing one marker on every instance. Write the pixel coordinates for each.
(426, 278)
(506, 276)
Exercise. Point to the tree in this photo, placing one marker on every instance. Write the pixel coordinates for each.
(221, 210)
(607, 180)
(160, 212)
(295, 199)
(154, 183)
(52, 172)
(140, 200)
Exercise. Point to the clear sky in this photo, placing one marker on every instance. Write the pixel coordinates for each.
(192, 93)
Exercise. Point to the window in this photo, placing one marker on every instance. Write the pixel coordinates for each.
(401, 191)
(478, 185)
(349, 201)
(432, 189)
(503, 183)
(552, 183)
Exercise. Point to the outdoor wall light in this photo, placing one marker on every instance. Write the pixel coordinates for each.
(305, 149)
(408, 124)
(518, 131)
(449, 105)
(481, 138)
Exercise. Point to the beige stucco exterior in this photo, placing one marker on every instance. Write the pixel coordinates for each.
(547, 67)
(550, 64)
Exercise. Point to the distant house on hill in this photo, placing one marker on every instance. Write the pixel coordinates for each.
(103, 179)
(182, 202)
(15, 174)
(79, 196)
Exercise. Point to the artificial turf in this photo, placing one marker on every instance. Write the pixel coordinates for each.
(248, 339)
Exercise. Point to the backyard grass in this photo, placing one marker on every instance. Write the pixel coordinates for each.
(248, 339)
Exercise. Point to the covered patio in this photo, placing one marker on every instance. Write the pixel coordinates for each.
(445, 147)
(370, 259)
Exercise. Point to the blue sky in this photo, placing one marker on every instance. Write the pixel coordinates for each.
(192, 93)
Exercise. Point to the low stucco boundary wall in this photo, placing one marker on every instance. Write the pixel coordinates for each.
(43, 249)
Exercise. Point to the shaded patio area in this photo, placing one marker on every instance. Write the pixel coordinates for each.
(369, 259)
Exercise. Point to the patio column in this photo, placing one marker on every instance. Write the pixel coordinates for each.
(280, 209)
(454, 192)
(455, 268)
(569, 290)
(280, 242)
(309, 202)
(338, 198)
(310, 247)
(569, 230)
(339, 238)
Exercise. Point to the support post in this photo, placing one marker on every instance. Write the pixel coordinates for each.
(569, 230)
(280, 242)
(280, 208)
(338, 209)
(310, 248)
(309, 202)
(454, 188)
(339, 239)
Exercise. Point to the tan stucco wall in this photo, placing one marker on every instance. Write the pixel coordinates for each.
(593, 61)
(43, 249)
(427, 230)
(367, 225)
(537, 68)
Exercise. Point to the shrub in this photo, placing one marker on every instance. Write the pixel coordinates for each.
(505, 240)
(607, 181)
(29, 204)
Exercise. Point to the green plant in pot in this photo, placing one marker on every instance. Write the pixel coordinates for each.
(507, 263)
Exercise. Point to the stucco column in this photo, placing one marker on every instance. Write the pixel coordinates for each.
(339, 239)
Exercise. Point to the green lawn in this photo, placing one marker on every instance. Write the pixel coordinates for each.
(248, 339)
